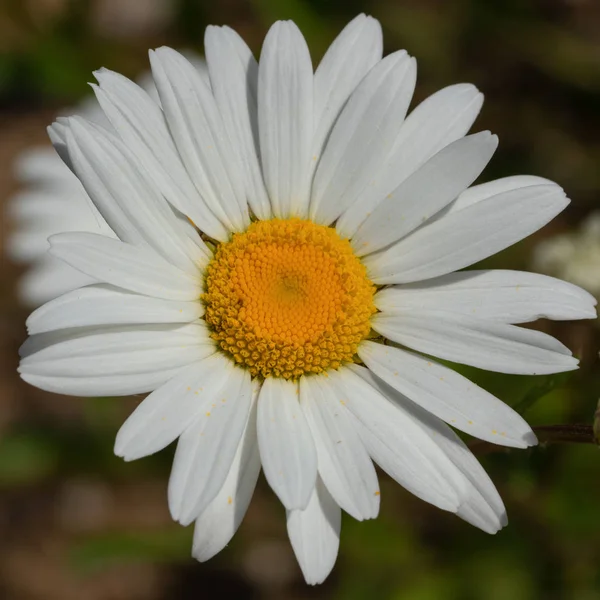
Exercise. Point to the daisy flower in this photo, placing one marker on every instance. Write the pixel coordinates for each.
(286, 263)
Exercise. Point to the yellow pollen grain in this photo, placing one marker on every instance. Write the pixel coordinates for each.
(288, 297)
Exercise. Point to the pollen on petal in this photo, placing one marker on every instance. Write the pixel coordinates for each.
(288, 297)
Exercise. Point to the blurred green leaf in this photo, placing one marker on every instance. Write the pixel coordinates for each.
(26, 459)
(542, 388)
(597, 424)
(104, 550)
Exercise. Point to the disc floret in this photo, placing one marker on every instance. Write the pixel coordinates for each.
(288, 297)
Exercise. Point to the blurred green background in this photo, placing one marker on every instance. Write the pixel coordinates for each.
(78, 523)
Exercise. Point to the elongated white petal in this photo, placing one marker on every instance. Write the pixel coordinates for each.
(362, 136)
(84, 337)
(343, 462)
(434, 185)
(483, 191)
(398, 445)
(199, 134)
(130, 267)
(103, 304)
(126, 199)
(121, 350)
(96, 188)
(234, 81)
(477, 342)
(285, 118)
(141, 123)
(503, 296)
(219, 521)
(287, 450)
(104, 385)
(168, 411)
(482, 506)
(57, 132)
(441, 119)
(315, 534)
(350, 57)
(448, 395)
(467, 236)
(206, 449)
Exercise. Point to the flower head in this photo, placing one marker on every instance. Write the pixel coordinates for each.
(285, 241)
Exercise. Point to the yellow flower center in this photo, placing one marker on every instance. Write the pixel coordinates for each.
(288, 297)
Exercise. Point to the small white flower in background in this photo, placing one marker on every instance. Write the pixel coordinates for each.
(574, 256)
(52, 200)
(324, 221)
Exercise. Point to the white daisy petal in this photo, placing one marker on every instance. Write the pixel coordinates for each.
(95, 353)
(107, 385)
(206, 449)
(448, 395)
(343, 462)
(234, 80)
(57, 132)
(127, 201)
(219, 521)
(140, 122)
(483, 191)
(92, 351)
(84, 169)
(467, 236)
(397, 443)
(362, 136)
(483, 506)
(285, 118)
(168, 411)
(441, 119)
(503, 296)
(130, 267)
(102, 304)
(355, 51)
(198, 131)
(477, 342)
(287, 449)
(434, 185)
(315, 534)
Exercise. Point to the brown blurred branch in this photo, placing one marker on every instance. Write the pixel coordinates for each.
(546, 434)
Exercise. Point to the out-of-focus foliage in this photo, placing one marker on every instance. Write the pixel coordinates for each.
(76, 522)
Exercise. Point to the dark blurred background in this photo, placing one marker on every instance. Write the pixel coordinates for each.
(76, 523)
